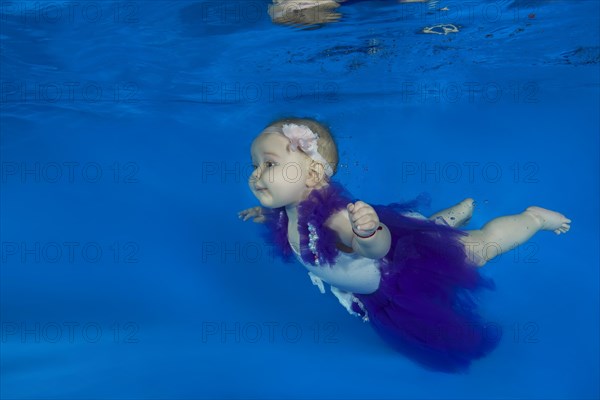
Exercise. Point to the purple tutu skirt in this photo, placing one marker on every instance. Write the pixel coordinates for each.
(425, 306)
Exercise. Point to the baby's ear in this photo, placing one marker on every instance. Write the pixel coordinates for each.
(316, 172)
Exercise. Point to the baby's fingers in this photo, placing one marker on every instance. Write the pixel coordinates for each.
(366, 225)
(249, 213)
(245, 214)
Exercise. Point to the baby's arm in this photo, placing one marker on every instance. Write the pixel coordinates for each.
(363, 219)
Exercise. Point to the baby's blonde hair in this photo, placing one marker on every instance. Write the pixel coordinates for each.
(325, 145)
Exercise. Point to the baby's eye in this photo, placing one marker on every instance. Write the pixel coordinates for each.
(269, 164)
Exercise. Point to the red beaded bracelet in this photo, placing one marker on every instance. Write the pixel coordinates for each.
(364, 237)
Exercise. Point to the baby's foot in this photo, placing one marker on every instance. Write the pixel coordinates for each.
(550, 220)
(458, 215)
(464, 211)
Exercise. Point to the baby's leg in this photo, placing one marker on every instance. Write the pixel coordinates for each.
(457, 215)
(505, 233)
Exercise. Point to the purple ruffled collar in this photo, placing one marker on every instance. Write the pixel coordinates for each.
(317, 241)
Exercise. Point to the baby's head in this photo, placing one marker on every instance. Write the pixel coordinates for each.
(300, 147)
(326, 146)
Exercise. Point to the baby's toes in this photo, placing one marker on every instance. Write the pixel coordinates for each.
(564, 228)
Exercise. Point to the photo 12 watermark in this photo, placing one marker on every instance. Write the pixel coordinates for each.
(221, 92)
(237, 172)
(494, 252)
(472, 172)
(469, 92)
(71, 332)
(489, 331)
(70, 12)
(264, 252)
(246, 252)
(71, 172)
(69, 252)
(67, 92)
(270, 332)
(463, 171)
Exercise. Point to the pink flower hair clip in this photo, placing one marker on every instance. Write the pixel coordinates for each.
(302, 137)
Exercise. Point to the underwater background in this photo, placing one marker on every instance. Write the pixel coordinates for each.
(125, 152)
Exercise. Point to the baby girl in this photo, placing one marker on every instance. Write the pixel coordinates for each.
(414, 278)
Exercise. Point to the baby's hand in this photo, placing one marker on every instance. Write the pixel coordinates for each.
(363, 218)
(256, 212)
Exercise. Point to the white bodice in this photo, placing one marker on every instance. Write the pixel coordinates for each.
(351, 273)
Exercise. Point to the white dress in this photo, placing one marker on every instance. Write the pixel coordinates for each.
(352, 273)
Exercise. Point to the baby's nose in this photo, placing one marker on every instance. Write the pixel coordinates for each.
(258, 172)
(255, 175)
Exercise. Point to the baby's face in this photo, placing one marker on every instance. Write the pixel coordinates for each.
(279, 174)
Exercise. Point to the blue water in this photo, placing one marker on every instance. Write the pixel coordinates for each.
(125, 134)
